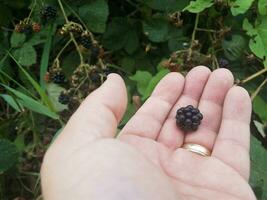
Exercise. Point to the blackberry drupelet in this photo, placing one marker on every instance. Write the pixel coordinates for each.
(58, 77)
(48, 12)
(86, 41)
(223, 63)
(64, 98)
(188, 118)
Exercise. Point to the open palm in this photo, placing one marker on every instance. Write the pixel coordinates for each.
(146, 161)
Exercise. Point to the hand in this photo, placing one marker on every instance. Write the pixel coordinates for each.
(146, 161)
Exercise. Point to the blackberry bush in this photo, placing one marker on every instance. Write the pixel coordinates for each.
(188, 118)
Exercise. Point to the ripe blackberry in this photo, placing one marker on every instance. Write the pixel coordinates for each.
(48, 13)
(58, 77)
(85, 41)
(95, 77)
(188, 118)
(64, 98)
(223, 63)
(94, 55)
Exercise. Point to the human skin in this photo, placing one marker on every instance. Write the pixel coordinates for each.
(146, 160)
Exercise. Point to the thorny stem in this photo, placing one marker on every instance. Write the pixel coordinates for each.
(193, 37)
(254, 76)
(258, 89)
(71, 35)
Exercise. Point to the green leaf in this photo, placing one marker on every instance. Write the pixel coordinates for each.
(26, 55)
(259, 106)
(45, 56)
(258, 176)
(32, 104)
(262, 5)
(95, 14)
(260, 127)
(240, 6)
(234, 48)
(10, 100)
(153, 82)
(53, 91)
(156, 29)
(17, 39)
(258, 41)
(121, 34)
(167, 5)
(142, 78)
(8, 156)
(198, 5)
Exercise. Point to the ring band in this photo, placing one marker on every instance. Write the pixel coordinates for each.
(196, 148)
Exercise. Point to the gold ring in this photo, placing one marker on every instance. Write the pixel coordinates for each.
(196, 148)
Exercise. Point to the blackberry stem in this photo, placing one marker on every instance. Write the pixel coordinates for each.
(71, 34)
(193, 37)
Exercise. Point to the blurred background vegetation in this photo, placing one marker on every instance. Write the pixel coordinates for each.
(53, 53)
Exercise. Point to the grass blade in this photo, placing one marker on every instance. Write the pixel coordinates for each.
(45, 99)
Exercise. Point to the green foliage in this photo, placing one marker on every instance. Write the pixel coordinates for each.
(258, 178)
(26, 55)
(198, 5)
(17, 39)
(258, 42)
(156, 29)
(9, 155)
(146, 82)
(95, 15)
(121, 34)
(240, 6)
(233, 49)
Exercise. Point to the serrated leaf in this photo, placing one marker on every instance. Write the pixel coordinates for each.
(156, 29)
(26, 55)
(198, 5)
(258, 41)
(240, 6)
(53, 91)
(17, 39)
(142, 78)
(262, 5)
(234, 48)
(32, 104)
(95, 14)
(258, 177)
(8, 156)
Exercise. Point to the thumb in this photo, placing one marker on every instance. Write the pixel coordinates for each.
(97, 117)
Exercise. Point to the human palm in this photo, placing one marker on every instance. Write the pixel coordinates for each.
(146, 160)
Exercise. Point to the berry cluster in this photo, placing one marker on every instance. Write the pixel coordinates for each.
(48, 13)
(188, 118)
(57, 77)
(85, 41)
(27, 27)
